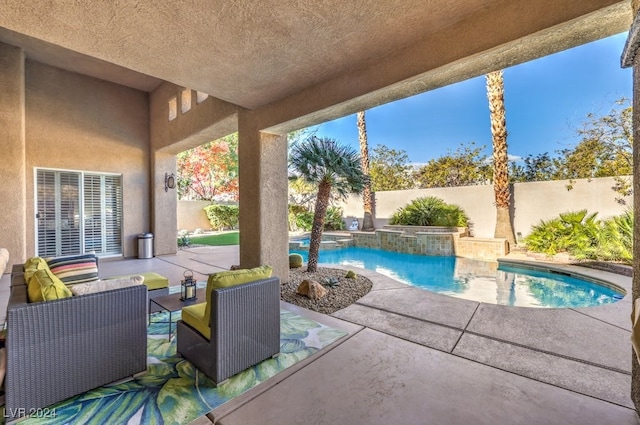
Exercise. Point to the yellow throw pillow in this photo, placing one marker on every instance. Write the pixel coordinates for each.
(231, 278)
(45, 286)
(33, 264)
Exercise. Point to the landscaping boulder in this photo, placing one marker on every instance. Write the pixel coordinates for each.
(311, 289)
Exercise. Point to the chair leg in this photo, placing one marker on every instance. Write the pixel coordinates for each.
(221, 383)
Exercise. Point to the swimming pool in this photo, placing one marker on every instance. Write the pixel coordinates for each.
(475, 280)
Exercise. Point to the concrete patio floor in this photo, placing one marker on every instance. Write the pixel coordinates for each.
(416, 357)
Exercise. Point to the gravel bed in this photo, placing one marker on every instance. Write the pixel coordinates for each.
(338, 297)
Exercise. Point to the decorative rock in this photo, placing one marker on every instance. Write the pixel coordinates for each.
(311, 289)
(316, 291)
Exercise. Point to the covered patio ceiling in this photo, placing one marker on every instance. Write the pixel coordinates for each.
(299, 63)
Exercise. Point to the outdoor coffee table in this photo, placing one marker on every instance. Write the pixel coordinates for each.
(172, 303)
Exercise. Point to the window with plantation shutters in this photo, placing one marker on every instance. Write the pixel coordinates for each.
(78, 212)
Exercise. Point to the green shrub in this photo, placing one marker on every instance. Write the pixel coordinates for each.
(616, 239)
(350, 274)
(333, 219)
(581, 235)
(222, 216)
(295, 261)
(302, 219)
(575, 232)
(430, 211)
(331, 281)
(184, 241)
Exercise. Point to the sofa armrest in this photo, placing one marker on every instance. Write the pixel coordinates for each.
(17, 275)
(72, 345)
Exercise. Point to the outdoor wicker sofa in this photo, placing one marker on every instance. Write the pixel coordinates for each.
(245, 329)
(60, 348)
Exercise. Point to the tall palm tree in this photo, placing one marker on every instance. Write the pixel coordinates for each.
(368, 200)
(495, 94)
(330, 166)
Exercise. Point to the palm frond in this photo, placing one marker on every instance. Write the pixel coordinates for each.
(320, 159)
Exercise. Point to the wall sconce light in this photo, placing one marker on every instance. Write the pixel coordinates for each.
(169, 181)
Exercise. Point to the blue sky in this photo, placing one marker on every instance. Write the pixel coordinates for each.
(546, 101)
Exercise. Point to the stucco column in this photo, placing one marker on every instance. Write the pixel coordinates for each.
(263, 198)
(164, 215)
(630, 57)
(12, 145)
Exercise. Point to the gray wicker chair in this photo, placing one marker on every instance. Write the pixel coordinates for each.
(61, 348)
(245, 329)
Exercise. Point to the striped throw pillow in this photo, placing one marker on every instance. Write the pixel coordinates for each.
(74, 269)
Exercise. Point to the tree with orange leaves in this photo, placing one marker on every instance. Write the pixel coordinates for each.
(210, 171)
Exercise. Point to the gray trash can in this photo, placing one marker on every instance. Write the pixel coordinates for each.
(145, 245)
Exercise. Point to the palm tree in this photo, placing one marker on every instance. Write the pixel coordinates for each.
(495, 93)
(330, 166)
(368, 200)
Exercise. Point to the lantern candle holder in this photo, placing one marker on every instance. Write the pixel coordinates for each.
(188, 286)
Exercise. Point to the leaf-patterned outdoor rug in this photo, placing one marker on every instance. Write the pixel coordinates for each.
(173, 391)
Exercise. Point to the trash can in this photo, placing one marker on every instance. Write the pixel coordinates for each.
(145, 245)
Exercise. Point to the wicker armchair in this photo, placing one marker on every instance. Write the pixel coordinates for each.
(61, 348)
(245, 329)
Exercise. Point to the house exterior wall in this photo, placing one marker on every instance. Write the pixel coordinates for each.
(12, 150)
(201, 122)
(76, 122)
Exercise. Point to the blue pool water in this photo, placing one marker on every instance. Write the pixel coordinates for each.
(475, 280)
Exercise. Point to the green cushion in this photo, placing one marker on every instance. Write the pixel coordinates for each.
(231, 278)
(45, 286)
(193, 315)
(151, 279)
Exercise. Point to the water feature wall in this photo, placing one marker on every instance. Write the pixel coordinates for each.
(329, 241)
(428, 241)
(489, 249)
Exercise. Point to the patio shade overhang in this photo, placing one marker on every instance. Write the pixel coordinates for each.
(295, 64)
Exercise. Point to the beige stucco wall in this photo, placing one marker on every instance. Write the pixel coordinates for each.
(204, 121)
(477, 201)
(263, 198)
(80, 123)
(531, 202)
(191, 215)
(543, 200)
(12, 150)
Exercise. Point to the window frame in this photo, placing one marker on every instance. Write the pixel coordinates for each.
(110, 196)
